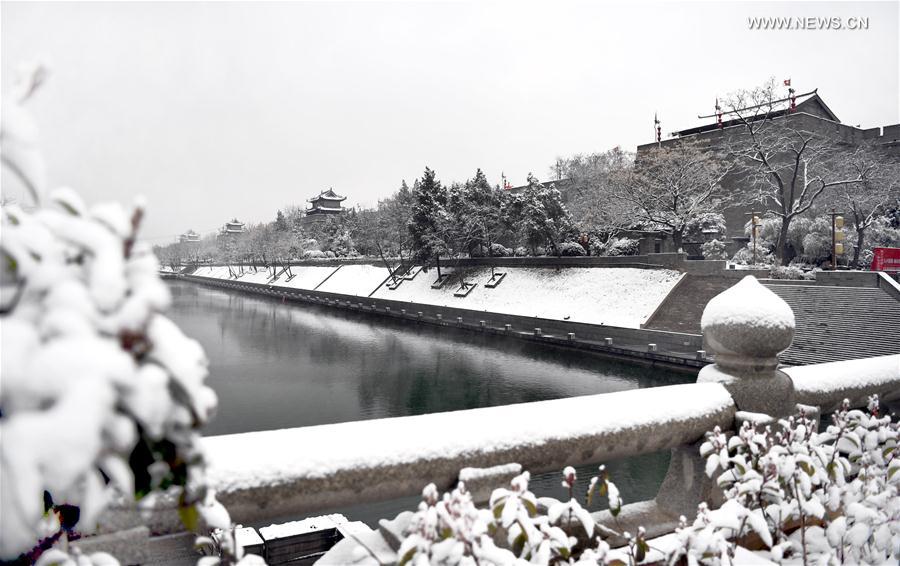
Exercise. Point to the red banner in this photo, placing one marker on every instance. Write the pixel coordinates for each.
(886, 259)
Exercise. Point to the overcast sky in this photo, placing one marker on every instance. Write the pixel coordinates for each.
(215, 110)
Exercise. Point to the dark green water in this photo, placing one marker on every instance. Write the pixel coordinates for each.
(276, 365)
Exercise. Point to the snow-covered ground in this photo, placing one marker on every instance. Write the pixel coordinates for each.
(307, 277)
(612, 296)
(358, 280)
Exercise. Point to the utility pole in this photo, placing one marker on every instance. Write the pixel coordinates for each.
(837, 248)
(754, 226)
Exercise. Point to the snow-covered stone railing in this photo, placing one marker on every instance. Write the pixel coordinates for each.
(261, 475)
(268, 475)
(827, 385)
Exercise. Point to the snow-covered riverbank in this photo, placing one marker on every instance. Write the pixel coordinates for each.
(619, 296)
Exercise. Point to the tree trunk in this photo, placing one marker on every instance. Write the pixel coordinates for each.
(860, 239)
(388, 265)
(677, 239)
(782, 247)
(437, 263)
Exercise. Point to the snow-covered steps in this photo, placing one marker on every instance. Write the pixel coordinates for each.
(623, 297)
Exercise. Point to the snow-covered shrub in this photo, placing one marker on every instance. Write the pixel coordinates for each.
(499, 250)
(521, 251)
(596, 246)
(496, 250)
(705, 226)
(802, 497)
(571, 249)
(517, 527)
(330, 255)
(811, 498)
(622, 246)
(786, 272)
(313, 254)
(103, 396)
(764, 254)
(714, 249)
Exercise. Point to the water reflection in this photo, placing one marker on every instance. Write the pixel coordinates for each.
(278, 365)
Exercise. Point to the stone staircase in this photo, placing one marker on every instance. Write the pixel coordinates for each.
(840, 323)
(833, 322)
(680, 311)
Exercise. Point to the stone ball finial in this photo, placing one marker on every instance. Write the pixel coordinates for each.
(747, 321)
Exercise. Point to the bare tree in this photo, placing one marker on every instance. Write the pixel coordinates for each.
(671, 186)
(788, 166)
(390, 229)
(871, 198)
(591, 205)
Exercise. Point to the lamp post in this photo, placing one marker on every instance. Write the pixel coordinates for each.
(837, 247)
(754, 226)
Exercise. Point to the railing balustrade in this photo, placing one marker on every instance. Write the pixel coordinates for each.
(262, 475)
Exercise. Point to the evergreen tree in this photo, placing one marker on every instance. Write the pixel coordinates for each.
(281, 224)
(545, 219)
(429, 202)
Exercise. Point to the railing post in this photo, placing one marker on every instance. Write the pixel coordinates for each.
(746, 327)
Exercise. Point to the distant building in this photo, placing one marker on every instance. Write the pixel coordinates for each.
(189, 236)
(326, 203)
(232, 228)
(808, 112)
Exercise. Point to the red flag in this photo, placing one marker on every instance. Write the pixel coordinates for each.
(787, 82)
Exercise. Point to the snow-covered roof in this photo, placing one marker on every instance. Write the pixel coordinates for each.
(327, 195)
(326, 208)
(809, 102)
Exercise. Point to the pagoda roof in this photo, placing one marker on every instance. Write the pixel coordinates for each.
(327, 208)
(327, 195)
(809, 102)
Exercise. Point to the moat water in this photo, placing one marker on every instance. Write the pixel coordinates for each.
(281, 365)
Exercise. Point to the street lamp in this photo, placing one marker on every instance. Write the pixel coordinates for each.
(837, 237)
(754, 226)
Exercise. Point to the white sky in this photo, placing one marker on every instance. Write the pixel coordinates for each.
(214, 110)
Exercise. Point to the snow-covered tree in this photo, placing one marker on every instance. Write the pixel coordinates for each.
(588, 178)
(429, 214)
(545, 221)
(865, 202)
(672, 186)
(790, 168)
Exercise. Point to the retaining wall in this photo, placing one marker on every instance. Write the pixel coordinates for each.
(648, 261)
(673, 350)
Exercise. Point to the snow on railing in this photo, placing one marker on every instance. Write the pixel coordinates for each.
(296, 472)
(260, 475)
(827, 385)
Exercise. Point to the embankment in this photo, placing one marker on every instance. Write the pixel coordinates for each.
(574, 307)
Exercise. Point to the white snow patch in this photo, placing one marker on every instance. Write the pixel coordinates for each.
(618, 296)
(359, 280)
(307, 525)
